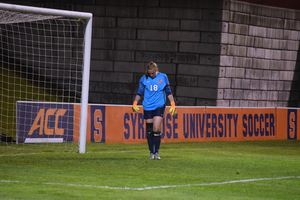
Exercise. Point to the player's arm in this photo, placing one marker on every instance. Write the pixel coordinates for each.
(171, 98)
(138, 96)
(172, 102)
(135, 108)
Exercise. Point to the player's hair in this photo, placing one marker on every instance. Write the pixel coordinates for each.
(150, 66)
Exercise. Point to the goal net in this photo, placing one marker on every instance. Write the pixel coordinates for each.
(44, 76)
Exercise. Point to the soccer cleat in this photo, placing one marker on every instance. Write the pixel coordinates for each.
(151, 156)
(156, 156)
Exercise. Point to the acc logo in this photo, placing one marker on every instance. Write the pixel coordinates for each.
(292, 124)
(43, 118)
(160, 81)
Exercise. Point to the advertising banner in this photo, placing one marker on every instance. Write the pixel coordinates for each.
(259, 124)
(44, 122)
(287, 123)
(58, 122)
(223, 124)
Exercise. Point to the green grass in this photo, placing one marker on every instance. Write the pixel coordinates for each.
(200, 170)
(186, 171)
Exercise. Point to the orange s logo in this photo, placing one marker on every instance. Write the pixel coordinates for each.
(292, 124)
(98, 125)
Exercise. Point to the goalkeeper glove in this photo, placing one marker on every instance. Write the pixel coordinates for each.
(135, 108)
(173, 109)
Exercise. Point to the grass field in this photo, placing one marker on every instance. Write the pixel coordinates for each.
(194, 170)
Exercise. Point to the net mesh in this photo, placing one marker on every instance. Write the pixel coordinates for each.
(41, 61)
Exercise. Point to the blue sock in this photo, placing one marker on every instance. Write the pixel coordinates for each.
(151, 144)
(149, 135)
(157, 138)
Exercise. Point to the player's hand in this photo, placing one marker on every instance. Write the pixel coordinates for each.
(135, 108)
(173, 109)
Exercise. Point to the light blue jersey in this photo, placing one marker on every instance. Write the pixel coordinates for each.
(154, 91)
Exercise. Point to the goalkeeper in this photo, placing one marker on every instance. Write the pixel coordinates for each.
(155, 87)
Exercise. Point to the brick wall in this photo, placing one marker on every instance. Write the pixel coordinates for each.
(216, 53)
(259, 58)
(182, 37)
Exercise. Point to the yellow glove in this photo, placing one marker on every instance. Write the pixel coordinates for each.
(173, 109)
(135, 108)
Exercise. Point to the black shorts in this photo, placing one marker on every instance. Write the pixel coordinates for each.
(149, 114)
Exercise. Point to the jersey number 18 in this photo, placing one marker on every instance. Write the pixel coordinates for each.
(153, 87)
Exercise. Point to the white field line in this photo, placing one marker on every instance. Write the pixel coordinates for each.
(162, 150)
(20, 154)
(129, 151)
(152, 187)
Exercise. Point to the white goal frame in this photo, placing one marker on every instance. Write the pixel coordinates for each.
(87, 17)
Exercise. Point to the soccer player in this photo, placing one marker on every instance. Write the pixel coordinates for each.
(155, 87)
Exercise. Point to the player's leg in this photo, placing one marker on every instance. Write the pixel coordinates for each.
(150, 138)
(149, 132)
(157, 121)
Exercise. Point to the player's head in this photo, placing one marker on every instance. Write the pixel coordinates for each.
(151, 70)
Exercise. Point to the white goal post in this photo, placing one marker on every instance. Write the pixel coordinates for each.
(83, 17)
